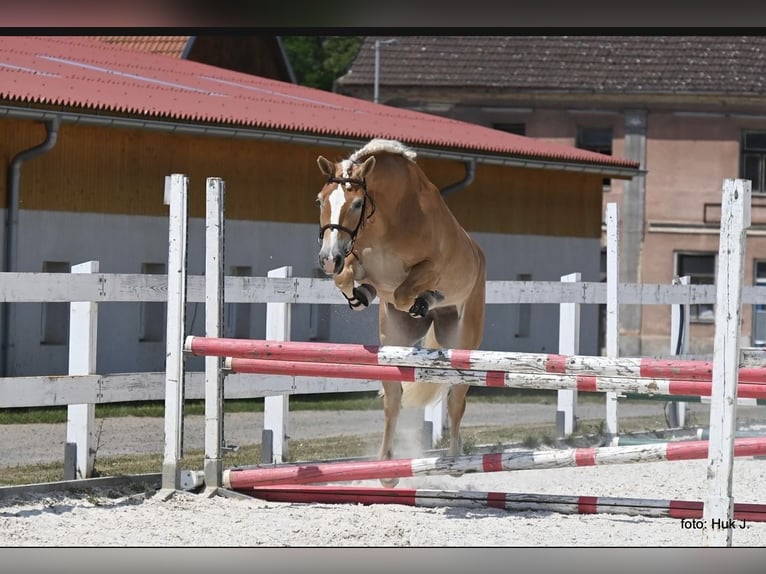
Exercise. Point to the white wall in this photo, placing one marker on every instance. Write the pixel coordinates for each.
(122, 243)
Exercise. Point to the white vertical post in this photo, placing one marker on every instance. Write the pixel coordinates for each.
(214, 270)
(276, 408)
(679, 345)
(612, 305)
(436, 414)
(176, 195)
(735, 219)
(83, 336)
(569, 344)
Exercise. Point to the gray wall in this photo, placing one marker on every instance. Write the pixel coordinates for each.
(122, 243)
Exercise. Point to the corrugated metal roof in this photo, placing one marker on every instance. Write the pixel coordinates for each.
(76, 72)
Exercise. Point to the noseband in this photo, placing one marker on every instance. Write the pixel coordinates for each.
(359, 224)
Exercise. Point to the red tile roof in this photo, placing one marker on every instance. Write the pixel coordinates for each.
(643, 64)
(168, 45)
(79, 73)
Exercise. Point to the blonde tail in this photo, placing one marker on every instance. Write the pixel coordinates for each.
(421, 394)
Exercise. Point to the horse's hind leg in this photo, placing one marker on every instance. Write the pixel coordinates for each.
(460, 329)
(396, 328)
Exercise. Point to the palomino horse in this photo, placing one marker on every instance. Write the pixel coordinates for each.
(385, 226)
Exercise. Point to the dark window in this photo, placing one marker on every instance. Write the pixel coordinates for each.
(237, 322)
(153, 314)
(54, 325)
(519, 129)
(753, 161)
(598, 139)
(700, 267)
(524, 310)
(759, 311)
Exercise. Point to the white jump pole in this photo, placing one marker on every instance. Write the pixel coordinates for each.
(176, 195)
(83, 335)
(569, 344)
(276, 407)
(214, 271)
(612, 306)
(719, 504)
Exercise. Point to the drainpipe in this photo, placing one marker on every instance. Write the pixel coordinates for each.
(470, 172)
(12, 225)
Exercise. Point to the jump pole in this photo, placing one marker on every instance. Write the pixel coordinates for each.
(176, 196)
(214, 272)
(498, 379)
(562, 504)
(735, 219)
(243, 479)
(477, 360)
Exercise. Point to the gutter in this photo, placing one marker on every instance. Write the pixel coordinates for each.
(470, 173)
(12, 224)
(309, 139)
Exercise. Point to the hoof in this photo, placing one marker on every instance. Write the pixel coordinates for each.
(363, 296)
(419, 308)
(389, 482)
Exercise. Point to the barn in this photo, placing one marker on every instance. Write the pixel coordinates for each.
(89, 131)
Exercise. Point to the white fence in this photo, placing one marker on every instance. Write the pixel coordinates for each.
(86, 287)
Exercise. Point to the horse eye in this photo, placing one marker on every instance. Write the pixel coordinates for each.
(357, 203)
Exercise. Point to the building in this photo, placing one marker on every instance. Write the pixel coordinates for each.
(89, 131)
(258, 55)
(690, 110)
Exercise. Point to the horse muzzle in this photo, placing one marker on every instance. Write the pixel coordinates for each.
(331, 264)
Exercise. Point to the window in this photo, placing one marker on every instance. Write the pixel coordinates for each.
(759, 311)
(598, 139)
(753, 161)
(524, 310)
(153, 314)
(519, 129)
(700, 267)
(237, 321)
(54, 325)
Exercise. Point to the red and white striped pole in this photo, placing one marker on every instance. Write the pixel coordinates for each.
(478, 360)
(307, 473)
(584, 383)
(683, 509)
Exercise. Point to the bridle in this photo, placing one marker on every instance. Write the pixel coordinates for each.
(353, 233)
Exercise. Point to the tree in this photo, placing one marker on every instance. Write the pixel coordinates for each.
(320, 60)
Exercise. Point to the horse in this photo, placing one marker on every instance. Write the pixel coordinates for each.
(386, 231)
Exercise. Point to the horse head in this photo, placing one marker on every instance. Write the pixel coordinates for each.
(344, 205)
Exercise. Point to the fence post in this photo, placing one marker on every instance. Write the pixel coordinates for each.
(569, 344)
(612, 306)
(735, 219)
(83, 336)
(679, 345)
(276, 408)
(434, 419)
(176, 195)
(214, 271)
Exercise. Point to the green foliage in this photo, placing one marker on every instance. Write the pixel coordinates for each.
(320, 60)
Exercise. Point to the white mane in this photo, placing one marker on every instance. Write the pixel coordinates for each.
(383, 145)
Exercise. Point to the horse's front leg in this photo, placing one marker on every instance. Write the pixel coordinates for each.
(392, 401)
(360, 297)
(417, 294)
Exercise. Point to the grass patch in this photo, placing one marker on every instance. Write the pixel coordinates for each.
(529, 436)
(364, 400)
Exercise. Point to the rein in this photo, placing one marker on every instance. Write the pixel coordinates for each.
(353, 233)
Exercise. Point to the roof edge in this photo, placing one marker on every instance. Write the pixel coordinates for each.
(84, 118)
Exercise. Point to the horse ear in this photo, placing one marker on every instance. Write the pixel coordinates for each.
(367, 166)
(326, 166)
